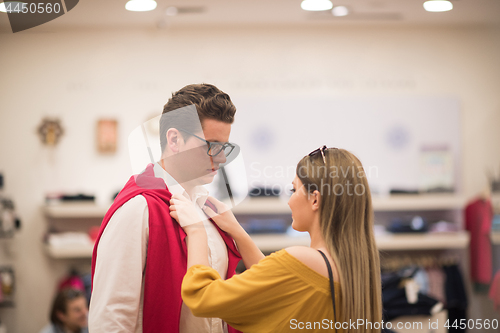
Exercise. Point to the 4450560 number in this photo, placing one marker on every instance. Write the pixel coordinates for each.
(472, 324)
(32, 8)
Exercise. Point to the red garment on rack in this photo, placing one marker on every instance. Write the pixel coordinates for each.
(166, 253)
(478, 218)
(73, 282)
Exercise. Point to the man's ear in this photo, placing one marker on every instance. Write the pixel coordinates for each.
(174, 139)
(315, 200)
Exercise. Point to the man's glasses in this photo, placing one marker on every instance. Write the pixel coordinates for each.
(214, 148)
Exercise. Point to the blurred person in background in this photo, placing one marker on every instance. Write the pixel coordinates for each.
(69, 313)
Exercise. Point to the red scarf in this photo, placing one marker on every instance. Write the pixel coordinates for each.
(166, 253)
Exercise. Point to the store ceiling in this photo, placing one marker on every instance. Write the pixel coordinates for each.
(98, 14)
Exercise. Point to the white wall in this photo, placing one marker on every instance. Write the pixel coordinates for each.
(82, 76)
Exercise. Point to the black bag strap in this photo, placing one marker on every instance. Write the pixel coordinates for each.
(332, 286)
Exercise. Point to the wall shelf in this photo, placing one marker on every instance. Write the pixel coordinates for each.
(74, 210)
(418, 202)
(431, 241)
(390, 203)
(279, 206)
(70, 252)
(265, 205)
(274, 242)
(386, 242)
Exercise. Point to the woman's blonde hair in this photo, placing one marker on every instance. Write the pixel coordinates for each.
(346, 222)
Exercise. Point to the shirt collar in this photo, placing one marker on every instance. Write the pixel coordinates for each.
(200, 194)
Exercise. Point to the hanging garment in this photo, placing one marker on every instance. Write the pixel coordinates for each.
(395, 301)
(72, 281)
(436, 283)
(422, 279)
(456, 297)
(478, 217)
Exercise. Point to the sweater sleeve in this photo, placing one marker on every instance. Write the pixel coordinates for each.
(115, 304)
(243, 300)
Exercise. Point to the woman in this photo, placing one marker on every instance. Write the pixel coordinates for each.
(290, 289)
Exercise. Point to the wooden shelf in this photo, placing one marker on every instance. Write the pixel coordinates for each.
(390, 203)
(269, 205)
(266, 205)
(70, 252)
(432, 241)
(387, 242)
(274, 242)
(74, 210)
(418, 202)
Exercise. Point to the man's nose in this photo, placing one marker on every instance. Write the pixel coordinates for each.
(220, 158)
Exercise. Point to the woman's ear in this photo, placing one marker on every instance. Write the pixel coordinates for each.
(315, 200)
(174, 139)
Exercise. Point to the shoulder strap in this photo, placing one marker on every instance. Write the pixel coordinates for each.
(332, 286)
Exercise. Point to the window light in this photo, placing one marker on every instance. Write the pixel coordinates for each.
(340, 11)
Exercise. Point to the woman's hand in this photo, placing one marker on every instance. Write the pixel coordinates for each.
(223, 217)
(190, 218)
(185, 213)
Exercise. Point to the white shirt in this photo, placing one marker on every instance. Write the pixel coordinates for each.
(118, 290)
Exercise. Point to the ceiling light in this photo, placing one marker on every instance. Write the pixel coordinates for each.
(340, 11)
(438, 5)
(140, 5)
(316, 5)
(171, 11)
(2, 8)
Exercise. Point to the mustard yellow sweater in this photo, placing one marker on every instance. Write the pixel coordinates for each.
(279, 294)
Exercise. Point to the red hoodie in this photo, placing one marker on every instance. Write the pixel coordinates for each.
(166, 255)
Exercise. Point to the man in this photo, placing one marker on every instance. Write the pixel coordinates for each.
(140, 258)
(68, 313)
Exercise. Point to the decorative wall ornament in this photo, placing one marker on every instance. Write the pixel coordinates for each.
(50, 131)
(107, 136)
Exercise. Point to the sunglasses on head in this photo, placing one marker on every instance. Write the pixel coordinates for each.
(320, 150)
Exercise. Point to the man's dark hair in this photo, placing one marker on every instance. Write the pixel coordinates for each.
(210, 103)
(61, 303)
